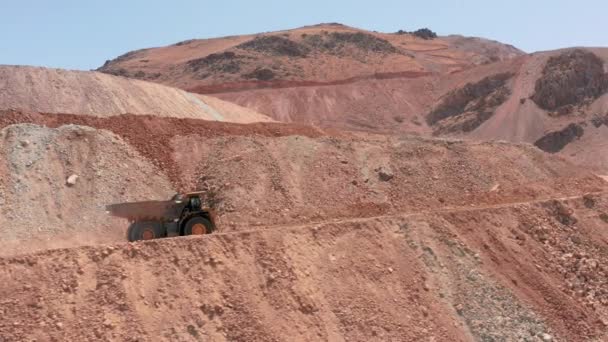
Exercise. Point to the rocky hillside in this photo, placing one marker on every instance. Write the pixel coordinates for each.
(256, 174)
(530, 272)
(341, 77)
(557, 100)
(322, 233)
(320, 54)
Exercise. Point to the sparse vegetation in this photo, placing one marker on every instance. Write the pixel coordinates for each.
(154, 75)
(335, 42)
(275, 45)
(589, 201)
(477, 100)
(117, 72)
(139, 74)
(192, 330)
(227, 62)
(570, 79)
(262, 74)
(423, 33)
(124, 57)
(556, 141)
(331, 24)
(185, 42)
(598, 120)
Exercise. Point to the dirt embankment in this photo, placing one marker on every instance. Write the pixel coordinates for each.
(294, 178)
(97, 94)
(54, 184)
(262, 174)
(151, 135)
(529, 272)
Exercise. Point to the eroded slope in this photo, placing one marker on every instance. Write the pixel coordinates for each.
(92, 93)
(258, 175)
(40, 209)
(321, 53)
(530, 272)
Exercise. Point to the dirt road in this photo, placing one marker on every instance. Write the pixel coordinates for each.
(508, 271)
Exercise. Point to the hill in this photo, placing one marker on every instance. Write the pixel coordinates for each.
(342, 77)
(365, 234)
(556, 100)
(319, 54)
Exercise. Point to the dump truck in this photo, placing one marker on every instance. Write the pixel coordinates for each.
(183, 214)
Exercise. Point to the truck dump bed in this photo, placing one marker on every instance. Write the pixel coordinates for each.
(147, 210)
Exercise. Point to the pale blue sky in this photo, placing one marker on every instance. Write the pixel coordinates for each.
(82, 34)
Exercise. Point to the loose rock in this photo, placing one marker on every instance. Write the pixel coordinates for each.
(71, 181)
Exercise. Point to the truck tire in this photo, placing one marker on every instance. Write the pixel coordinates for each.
(198, 226)
(147, 230)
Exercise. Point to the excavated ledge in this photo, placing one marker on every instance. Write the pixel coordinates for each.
(434, 275)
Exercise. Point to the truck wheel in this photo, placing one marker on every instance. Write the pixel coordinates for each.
(144, 231)
(198, 226)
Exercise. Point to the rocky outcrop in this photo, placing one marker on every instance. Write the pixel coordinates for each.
(423, 33)
(464, 109)
(556, 141)
(570, 79)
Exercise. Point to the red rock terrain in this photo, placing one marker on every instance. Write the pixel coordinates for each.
(313, 55)
(340, 232)
(331, 75)
(531, 271)
(341, 77)
(323, 233)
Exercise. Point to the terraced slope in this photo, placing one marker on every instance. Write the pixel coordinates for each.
(257, 175)
(533, 271)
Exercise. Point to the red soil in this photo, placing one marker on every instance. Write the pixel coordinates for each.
(151, 134)
(277, 84)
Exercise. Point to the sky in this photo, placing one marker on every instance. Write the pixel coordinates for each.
(82, 34)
